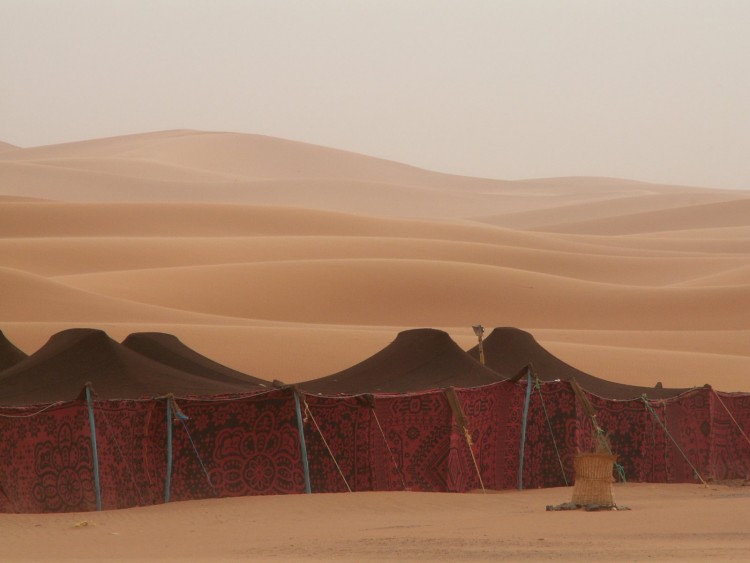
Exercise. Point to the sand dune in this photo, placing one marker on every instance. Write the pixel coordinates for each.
(30, 298)
(731, 277)
(733, 213)
(264, 245)
(291, 261)
(233, 168)
(626, 205)
(72, 255)
(389, 292)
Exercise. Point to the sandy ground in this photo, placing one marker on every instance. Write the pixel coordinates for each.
(665, 522)
(291, 261)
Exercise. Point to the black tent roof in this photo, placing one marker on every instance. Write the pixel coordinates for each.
(171, 351)
(59, 370)
(509, 349)
(417, 360)
(9, 354)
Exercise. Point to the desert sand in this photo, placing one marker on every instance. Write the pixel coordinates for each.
(665, 522)
(292, 261)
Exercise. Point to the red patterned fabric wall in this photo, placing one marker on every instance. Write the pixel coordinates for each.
(250, 445)
(636, 437)
(346, 426)
(126, 448)
(494, 413)
(418, 430)
(550, 436)
(688, 420)
(46, 461)
(730, 436)
(234, 447)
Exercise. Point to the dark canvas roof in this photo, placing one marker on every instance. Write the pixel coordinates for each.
(59, 370)
(171, 351)
(509, 349)
(9, 354)
(417, 360)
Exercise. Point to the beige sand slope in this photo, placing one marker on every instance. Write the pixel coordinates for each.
(665, 523)
(290, 260)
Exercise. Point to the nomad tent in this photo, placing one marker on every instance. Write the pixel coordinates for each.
(417, 360)
(89, 424)
(509, 350)
(167, 349)
(131, 445)
(59, 370)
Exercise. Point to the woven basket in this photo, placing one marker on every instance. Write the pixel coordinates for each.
(594, 479)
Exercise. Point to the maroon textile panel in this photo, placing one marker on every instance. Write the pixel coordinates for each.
(730, 452)
(688, 420)
(124, 442)
(346, 424)
(550, 435)
(494, 413)
(418, 429)
(233, 447)
(46, 462)
(635, 436)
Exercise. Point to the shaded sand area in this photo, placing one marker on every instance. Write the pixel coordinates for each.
(291, 261)
(294, 261)
(665, 522)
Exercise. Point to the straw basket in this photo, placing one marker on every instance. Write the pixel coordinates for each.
(594, 479)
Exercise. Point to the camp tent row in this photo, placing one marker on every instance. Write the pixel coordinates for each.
(141, 434)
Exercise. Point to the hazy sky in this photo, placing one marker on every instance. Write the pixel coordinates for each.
(656, 90)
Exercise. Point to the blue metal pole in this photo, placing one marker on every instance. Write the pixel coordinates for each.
(168, 479)
(523, 429)
(303, 446)
(92, 426)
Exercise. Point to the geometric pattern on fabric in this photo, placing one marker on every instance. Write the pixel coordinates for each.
(688, 419)
(250, 444)
(550, 435)
(494, 414)
(46, 462)
(418, 427)
(730, 450)
(236, 447)
(656, 437)
(124, 445)
(629, 427)
(346, 425)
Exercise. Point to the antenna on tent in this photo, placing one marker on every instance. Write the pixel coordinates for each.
(479, 331)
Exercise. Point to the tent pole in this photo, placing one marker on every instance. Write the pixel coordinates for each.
(92, 426)
(523, 428)
(303, 446)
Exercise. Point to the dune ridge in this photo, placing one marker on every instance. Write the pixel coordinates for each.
(224, 254)
(292, 261)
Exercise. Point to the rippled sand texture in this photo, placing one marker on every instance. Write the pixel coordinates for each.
(293, 261)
